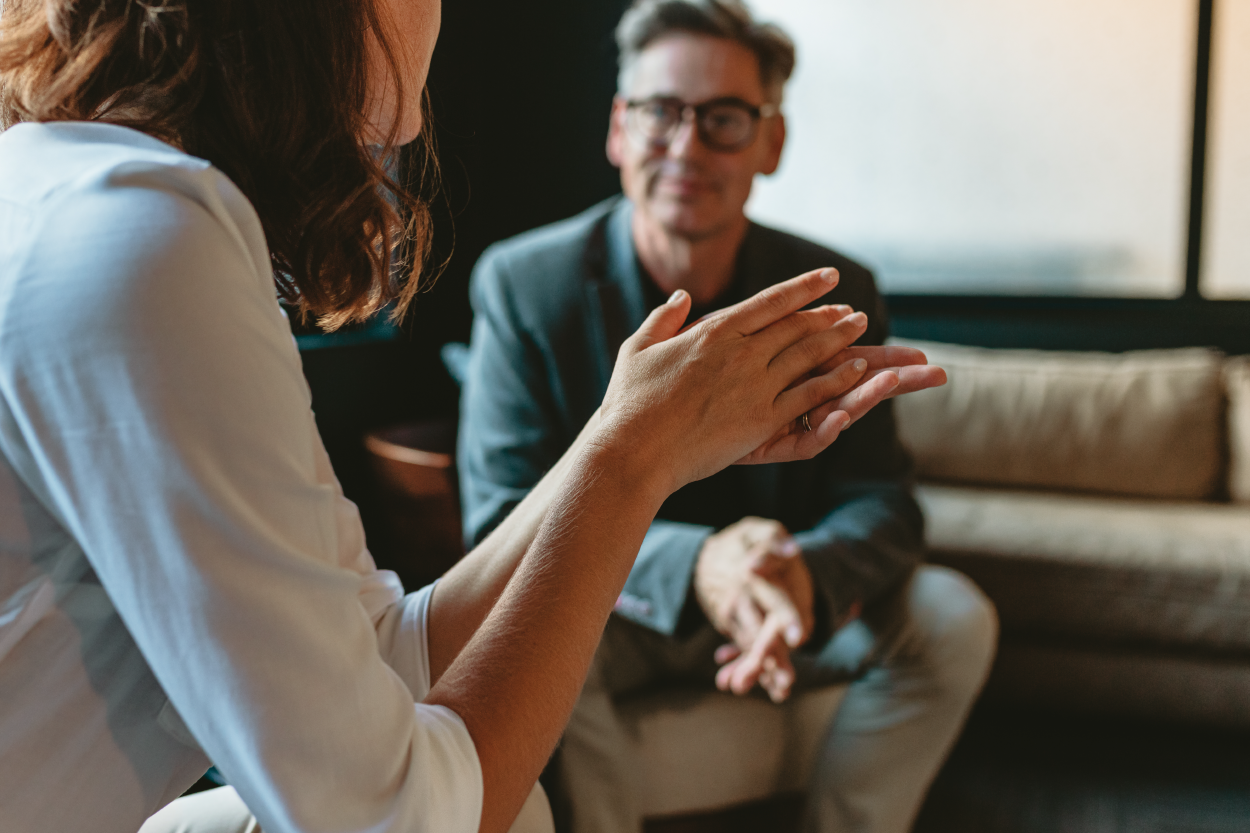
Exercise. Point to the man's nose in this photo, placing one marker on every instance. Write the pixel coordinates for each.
(686, 140)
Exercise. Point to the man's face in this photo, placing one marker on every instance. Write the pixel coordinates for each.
(688, 188)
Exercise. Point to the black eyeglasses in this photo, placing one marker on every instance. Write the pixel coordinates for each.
(724, 124)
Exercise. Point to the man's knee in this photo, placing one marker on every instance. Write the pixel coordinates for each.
(957, 623)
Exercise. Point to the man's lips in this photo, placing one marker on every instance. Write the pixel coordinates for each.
(683, 186)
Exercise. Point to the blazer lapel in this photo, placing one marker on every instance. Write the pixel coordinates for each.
(615, 305)
(754, 266)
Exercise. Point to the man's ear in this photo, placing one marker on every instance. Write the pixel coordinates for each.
(616, 132)
(775, 136)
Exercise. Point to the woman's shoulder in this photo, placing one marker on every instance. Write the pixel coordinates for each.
(125, 190)
(42, 165)
(105, 233)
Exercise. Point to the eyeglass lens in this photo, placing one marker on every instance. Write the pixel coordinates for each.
(723, 125)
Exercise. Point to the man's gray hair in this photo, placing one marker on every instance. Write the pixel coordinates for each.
(647, 21)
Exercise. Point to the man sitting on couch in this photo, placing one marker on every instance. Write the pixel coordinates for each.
(811, 570)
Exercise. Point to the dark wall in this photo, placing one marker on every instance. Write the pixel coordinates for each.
(520, 94)
(1055, 323)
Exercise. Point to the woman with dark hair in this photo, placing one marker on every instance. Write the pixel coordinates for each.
(181, 580)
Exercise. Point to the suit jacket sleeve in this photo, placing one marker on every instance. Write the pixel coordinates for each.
(869, 535)
(510, 429)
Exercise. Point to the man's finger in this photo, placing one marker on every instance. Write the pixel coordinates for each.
(747, 668)
(745, 621)
(769, 564)
(768, 664)
(878, 357)
(782, 566)
(813, 393)
(776, 600)
(910, 379)
(861, 399)
(914, 378)
(778, 677)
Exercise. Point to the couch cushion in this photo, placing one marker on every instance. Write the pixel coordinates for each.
(705, 750)
(1107, 570)
(1146, 423)
(1237, 389)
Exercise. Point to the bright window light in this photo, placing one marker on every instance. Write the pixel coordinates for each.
(1226, 222)
(992, 146)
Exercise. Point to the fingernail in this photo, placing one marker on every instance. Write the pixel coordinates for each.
(845, 420)
(789, 547)
(829, 275)
(676, 296)
(793, 634)
(860, 365)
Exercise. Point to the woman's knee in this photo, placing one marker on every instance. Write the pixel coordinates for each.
(222, 811)
(212, 811)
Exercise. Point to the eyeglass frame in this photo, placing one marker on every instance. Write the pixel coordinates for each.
(757, 113)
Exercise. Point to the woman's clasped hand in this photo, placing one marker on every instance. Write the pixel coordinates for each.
(734, 386)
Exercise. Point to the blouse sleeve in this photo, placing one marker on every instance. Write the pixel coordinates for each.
(168, 427)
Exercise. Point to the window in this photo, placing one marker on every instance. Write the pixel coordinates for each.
(1000, 146)
(1226, 236)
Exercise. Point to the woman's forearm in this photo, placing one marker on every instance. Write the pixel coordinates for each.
(516, 682)
(470, 589)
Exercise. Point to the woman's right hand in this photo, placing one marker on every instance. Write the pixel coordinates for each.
(685, 404)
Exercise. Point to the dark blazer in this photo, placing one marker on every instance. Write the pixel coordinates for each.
(551, 308)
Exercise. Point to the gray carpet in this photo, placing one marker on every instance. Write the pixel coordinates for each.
(1021, 771)
(1017, 771)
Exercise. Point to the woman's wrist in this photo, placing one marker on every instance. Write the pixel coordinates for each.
(636, 467)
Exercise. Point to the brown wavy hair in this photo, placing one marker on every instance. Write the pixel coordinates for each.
(271, 92)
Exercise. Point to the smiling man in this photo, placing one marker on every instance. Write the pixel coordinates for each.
(798, 574)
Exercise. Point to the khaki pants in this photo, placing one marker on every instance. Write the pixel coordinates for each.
(222, 811)
(915, 660)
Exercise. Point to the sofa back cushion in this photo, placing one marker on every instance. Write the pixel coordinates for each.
(1237, 389)
(1146, 423)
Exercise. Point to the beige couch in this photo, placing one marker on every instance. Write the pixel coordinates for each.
(1103, 503)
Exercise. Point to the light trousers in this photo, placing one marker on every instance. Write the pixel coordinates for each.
(222, 811)
(916, 662)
